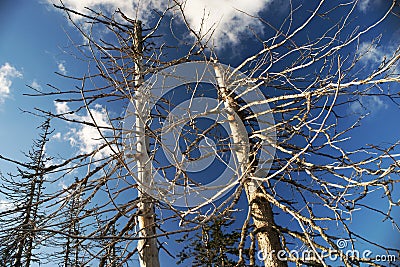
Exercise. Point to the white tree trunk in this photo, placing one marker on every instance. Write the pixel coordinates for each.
(147, 247)
(261, 211)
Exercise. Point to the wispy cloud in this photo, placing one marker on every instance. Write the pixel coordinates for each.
(368, 104)
(56, 136)
(365, 5)
(35, 85)
(7, 72)
(85, 137)
(5, 205)
(370, 53)
(61, 68)
(227, 19)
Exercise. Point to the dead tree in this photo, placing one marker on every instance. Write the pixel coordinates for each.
(147, 247)
(24, 193)
(316, 182)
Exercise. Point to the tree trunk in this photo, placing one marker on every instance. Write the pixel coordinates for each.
(263, 218)
(261, 211)
(147, 247)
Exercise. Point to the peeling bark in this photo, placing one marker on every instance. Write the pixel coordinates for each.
(261, 211)
(147, 247)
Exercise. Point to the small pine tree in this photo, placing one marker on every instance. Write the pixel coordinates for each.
(24, 192)
(216, 246)
(71, 246)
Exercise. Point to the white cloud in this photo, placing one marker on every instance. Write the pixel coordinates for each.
(85, 137)
(5, 205)
(221, 16)
(370, 53)
(7, 72)
(36, 85)
(110, 5)
(363, 5)
(56, 136)
(373, 55)
(61, 68)
(224, 17)
(367, 5)
(368, 104)
(62, 107)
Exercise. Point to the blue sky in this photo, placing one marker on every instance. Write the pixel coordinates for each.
(32, 39)
(36, 41)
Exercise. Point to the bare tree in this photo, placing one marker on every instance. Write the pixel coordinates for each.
(24, 193)
(71, 248)
(316, 182)
(147, 247)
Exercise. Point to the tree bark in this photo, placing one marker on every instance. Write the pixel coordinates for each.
(263, 218)
(267, 237)
(147, 247)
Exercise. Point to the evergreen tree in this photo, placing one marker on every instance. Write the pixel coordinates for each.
(71, 245)
(24, 192)
(216, 245)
